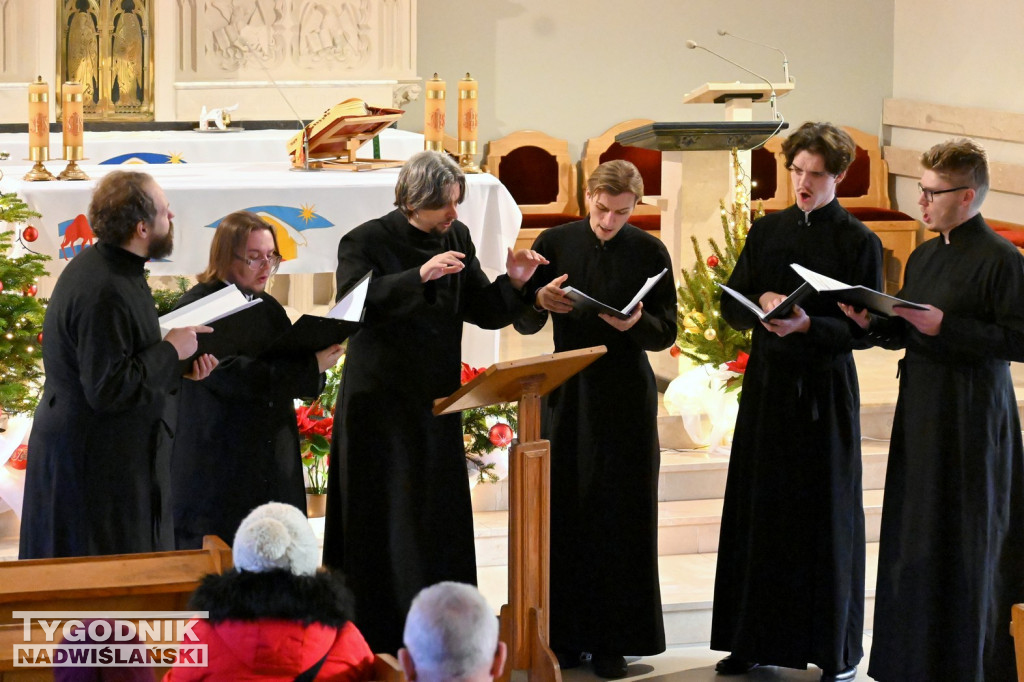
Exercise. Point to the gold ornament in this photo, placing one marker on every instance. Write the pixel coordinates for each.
(710, 334)
(693, 321)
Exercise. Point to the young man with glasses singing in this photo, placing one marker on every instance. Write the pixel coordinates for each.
(951, 554)
(789, 588)
(237, 443)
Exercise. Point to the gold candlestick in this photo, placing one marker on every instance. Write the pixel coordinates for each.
(38, 130)
(74, 130)
(433, 115)
(468, 119)
(72, 171)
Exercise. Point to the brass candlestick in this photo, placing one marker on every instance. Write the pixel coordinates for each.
(72, 171)
(467, 150)
(38, 172)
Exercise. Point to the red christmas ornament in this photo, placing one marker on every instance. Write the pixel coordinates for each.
(1, 286)
(712, 261)
(19, 460)
(30, 234)
(40, 338)
(500, 435)
(674, 351)
(31, 290)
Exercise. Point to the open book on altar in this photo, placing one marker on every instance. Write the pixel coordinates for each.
(859, 296)
(781, 310)
(311, 333)
(583, 302)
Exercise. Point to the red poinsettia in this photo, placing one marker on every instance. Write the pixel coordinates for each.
(470, 373)
(315, 429)
(739, 365)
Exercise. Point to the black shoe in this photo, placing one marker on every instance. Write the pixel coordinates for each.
(847, 673)
(609, 666)
(730, 665)
(569, 659)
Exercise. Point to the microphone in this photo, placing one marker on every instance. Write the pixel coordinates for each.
(785, 59)
(302, 125)
(776, 116)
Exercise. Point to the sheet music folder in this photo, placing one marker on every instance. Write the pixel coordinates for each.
(311, 333)
(781, 310)
(583, 302)
(859, 296)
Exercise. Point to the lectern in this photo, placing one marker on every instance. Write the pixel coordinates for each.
(524, 619)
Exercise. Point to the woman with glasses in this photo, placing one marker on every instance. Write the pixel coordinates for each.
(236, 443)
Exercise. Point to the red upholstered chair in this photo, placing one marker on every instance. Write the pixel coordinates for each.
(540, 176)
(603, 148)
(1011, 231)
(770, 183)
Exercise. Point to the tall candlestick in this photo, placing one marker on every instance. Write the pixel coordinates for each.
(39, 120)
(38, 129)
(72, 115)
(74, 129)
(468, 108)
(433, 115)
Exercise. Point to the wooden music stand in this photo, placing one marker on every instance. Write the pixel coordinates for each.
(524, 620)
(333, 140)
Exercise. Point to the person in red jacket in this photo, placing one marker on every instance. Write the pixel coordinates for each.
(274, 616)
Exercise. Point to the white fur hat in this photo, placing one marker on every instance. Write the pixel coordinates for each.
(276, 535)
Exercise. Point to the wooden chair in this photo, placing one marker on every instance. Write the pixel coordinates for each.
(603, 148)
(771, 185)
(1017, 630)
(540, 176)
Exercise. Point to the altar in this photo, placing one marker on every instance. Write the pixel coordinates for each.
(309, 211)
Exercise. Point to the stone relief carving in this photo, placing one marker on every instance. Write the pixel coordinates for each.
(335, 35)
(405, 93)
(242, 33)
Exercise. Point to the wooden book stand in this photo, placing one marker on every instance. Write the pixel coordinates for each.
(524, 620)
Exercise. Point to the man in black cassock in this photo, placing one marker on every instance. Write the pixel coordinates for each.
(951, 554)
(789, 583)
(399, 516)
(602, 424)
(98, 471)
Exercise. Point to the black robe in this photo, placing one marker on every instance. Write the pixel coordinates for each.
(951, 556)
(237, 440)
(789, 584)
(399, 516)
(98, 466)
(602, 424)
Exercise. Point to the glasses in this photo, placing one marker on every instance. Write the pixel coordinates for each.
(929, 194)
(256, 264)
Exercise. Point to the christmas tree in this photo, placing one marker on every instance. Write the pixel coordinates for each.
(703, 336)
(21, 313)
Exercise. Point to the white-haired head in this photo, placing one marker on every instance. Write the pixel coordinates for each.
(451, 633)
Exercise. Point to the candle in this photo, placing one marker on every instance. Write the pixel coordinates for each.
(433, 115)
(467, 112)
(39, 120)
(72, 115)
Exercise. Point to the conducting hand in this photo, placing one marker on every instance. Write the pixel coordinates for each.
(797, 322)
(442, 264)
(623, 325)
(185, 341)
(202, 366)
(521, 265)
(550, 296)
(927, 321)
(328, 357)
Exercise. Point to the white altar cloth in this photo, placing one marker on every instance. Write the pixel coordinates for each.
(187, 146)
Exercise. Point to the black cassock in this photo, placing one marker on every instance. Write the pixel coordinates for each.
(951, 556)
(399, 516)
(602, 424)
(789, 585)
(98, 467)
(237, 441)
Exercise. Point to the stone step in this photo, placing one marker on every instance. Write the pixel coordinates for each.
(687, 591)
(684, 527)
